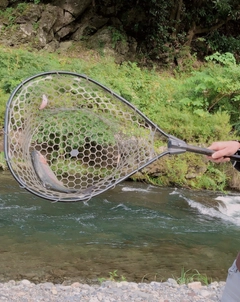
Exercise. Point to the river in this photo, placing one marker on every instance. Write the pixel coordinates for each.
(136, 231)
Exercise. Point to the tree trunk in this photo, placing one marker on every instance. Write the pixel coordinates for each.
(175, 16)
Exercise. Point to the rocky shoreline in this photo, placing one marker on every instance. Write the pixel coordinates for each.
(110, 291)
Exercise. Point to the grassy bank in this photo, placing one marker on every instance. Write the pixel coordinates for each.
(170, 99)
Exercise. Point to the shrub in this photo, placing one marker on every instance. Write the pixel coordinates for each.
(214, 89)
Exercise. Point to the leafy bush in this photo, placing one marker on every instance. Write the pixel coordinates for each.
(214, 89)
(223, 43)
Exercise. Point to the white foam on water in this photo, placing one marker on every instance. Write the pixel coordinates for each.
(122, 207)
(174, 192)
(131, 189)
(228, 209)
(231, 206)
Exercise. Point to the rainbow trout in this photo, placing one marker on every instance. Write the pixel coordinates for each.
(46, 175)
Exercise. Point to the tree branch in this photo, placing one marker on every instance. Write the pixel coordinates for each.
(195, 30)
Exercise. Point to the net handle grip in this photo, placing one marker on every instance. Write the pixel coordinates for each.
(177, 146)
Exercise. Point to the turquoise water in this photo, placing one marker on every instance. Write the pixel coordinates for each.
(144, 232)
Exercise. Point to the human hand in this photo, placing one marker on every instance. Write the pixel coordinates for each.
(223, 150)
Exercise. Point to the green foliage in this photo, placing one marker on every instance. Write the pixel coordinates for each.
(145, 89)
(3, 164)
(3, 101)
(76, 128)
(163, 28)
(10, 14)
(183, 170)
(213, 179)
(193, 127)
(113, 276)
(16, 65)
(219, 42)
(185, 60)
(21, 7)
(117, 36)
(189, 276)
(226, 59)
(176, 170)
(214, 89)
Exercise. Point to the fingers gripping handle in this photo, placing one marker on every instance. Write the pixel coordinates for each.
(178, 146)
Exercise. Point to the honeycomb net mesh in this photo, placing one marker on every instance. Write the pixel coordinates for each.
(68, 138)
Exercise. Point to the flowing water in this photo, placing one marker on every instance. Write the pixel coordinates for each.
(143, 232)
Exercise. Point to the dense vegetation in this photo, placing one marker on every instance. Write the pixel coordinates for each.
(164, 30)
(198, 106)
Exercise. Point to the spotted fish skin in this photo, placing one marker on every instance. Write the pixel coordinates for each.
(46, 175)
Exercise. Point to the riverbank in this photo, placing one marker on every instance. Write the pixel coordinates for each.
(169, 291)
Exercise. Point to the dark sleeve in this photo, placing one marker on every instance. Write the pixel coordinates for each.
(236, 164)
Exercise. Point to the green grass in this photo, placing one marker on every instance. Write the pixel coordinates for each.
(155, 93)
(188, 276)
(113, 276)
